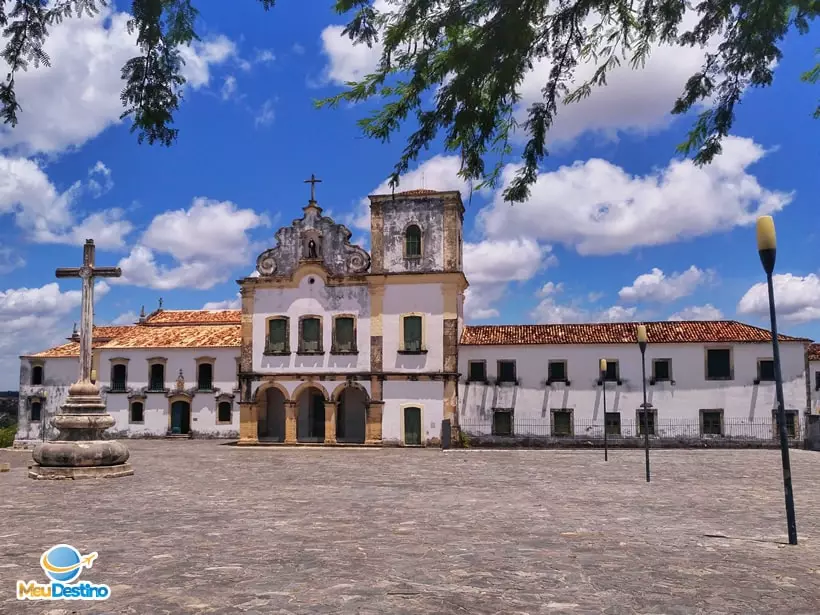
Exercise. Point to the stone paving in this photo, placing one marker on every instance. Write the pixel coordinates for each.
(207, 528)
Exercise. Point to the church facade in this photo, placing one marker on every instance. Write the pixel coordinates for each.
(335, 345)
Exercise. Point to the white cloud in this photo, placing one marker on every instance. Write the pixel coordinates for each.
(33, 319)
(10, 260)
(797, 298)
(698, 312)
(505, 261)
(599, 208)
(228, 87)
(634, 101)
(47, 215)
(346, 61)
(656, 286)
(437, 173)
(78, 96)
(205, 243)
(298, 49)
(126, 318)
(479, 299)
(100, 180)
(227, 304)
(264, 56)
(550, 311)
(266, 114)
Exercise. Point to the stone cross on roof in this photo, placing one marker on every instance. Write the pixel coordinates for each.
(313, 181)
(87, 273)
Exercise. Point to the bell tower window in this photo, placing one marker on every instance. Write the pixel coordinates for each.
(412, 241)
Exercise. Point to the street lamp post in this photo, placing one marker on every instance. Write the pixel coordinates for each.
(603, 392)
(767, 248)
(641, 333)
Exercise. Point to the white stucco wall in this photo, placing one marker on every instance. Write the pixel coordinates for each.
(58, 375)
(156, 412)
(532, 400)
(424, 299)
(814, 370)
(428, 396)
(312, 299)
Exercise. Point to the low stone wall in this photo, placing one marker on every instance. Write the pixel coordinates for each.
(485, 441)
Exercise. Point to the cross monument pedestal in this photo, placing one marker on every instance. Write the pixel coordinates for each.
(79, 450)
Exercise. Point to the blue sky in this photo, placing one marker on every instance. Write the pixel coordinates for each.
(619, 227)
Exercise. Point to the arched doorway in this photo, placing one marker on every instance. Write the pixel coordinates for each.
(310, 421)
(271, 423)
(351, 415)
(180, 417)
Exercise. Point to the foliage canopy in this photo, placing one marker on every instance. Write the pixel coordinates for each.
(471, 57)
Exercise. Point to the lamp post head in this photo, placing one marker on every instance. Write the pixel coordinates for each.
(603, 366)
(640, 333)
(766, 242)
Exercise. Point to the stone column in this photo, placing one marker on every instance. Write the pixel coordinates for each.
(330, 422)
(373, 428)
(290, 422)
(451, 406)
(248, 423)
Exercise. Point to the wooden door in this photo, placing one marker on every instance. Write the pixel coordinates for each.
(412, 426)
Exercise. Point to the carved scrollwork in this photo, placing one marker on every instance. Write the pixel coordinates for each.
(266, 263)
(358, 261)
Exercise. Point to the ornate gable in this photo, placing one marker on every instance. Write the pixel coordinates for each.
(316, 239)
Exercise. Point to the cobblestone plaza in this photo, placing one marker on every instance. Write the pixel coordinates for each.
(206, 528)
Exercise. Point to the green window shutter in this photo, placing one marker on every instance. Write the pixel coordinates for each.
(344, 335)
(311, 335)
(412, 333)
(412, 241)
(278, 335)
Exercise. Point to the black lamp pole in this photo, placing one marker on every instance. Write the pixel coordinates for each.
(645, 406)
(603, 392)
(767, 248)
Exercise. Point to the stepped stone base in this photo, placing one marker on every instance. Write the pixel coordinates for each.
(38, 472)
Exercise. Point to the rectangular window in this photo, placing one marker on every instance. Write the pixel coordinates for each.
(613, 423)
(311, 335)
(224, 412)
(477, 371)
(718, 364)
(712, 422)
(765, 370)
(278, 335)
(817, 381)
(37, 375)
(35, 410)
(137, 412)
(662, 370)
(412, 333)
(205, 377)
(506, 371)
(344, 334)
(118, 377)
(650, 417)
(502, 423)
(791, 423)
(557, 371)
(561, 423)
(157, 377)
(612, 371)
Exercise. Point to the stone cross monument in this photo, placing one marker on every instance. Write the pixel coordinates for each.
(79, 451)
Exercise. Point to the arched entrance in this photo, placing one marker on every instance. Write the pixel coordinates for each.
(180, 417)
(351, 414)
(310, 420)
(271, 424)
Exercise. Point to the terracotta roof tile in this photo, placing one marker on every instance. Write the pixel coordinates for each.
(191, 317)
(668, 332)
(178, 336)
(814, 352)
(100, 336)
